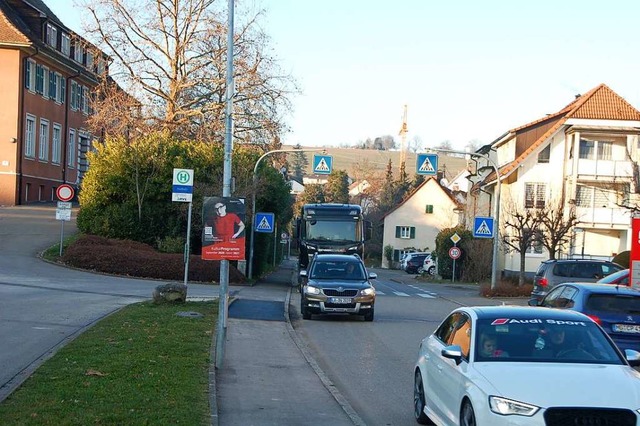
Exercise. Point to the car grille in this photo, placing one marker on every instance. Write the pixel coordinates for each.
(344, 293)
(560, 416)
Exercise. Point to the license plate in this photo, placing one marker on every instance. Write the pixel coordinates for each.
(340, 300)
(626, 328)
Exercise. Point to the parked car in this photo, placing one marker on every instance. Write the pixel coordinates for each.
(553, 272)
(615, 308)
(337, 283)
(620, 278)
(513, 365)
(405, 257)
(414, 262)
(428, 266)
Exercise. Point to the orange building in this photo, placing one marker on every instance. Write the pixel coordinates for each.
(47, 77)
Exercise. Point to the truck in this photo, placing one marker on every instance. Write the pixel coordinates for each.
(330, 228)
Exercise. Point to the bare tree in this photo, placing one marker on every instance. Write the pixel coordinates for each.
(557, 223)
(520, 231)
(171, 56)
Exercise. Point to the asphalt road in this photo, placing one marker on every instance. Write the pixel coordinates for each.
(43, 305)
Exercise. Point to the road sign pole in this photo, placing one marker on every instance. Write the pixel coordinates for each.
(61, 235)
(187, 251)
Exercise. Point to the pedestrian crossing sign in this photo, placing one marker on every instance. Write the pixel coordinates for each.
(483, 227)
(427, 164)
(264, 222)
(322, 164)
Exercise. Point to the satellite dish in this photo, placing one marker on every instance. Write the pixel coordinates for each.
(444, 182)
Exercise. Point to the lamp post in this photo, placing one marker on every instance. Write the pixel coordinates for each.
(496, 211)
(253, 199)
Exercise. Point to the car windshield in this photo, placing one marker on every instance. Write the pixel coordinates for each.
(543, 340)
(337, 270)
(616, 277)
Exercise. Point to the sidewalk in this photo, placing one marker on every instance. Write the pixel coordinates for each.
(268, 376)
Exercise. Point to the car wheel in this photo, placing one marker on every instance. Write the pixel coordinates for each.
(305, 314)
(467, 416)
(432, 270)
(419, 400)
(420, 270)
(369, 315)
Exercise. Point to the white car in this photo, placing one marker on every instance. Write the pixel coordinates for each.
(511, 365)
(429, 266)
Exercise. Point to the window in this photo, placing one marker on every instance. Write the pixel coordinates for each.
(586, 149)
(43, 153)
(45, 82)
(30, 75)
(53, 91)
(75, 88)
(71, 147)
(30, 137)
(85, 100)
(429, 208)
(536, 246)
(604, 150)
(78, 53)
(65, 44)
(545, 155)
(39, 79)
(405, 232)
(56, 146)
(101, 68)
(52, 36)
(535, 195)
(90, 60)
(599, 197)
(62, 89)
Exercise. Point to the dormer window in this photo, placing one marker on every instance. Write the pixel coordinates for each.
(52, 36)
(78, 52)
(545, 155)
(65, 44)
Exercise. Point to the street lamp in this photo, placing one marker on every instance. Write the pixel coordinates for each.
(496, 211)
(253, 200)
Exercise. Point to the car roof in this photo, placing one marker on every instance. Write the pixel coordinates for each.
(524, 312)
(577, 261)
(337, 257)
(605, 288)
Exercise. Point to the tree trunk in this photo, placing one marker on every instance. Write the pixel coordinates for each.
(523, 255)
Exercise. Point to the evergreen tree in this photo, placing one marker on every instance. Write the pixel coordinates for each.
(336, 189)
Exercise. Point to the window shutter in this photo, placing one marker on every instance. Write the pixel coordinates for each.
(413, 232)
(428, 208)
(397, 232)
(396, 255)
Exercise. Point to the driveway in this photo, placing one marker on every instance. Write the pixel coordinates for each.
(43, 306)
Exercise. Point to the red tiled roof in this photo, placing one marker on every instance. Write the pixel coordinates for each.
(9, 33)
(599, 103)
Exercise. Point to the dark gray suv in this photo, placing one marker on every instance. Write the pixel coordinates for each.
(554, 272)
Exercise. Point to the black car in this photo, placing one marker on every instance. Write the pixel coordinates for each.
(415, 263)
(337, 283)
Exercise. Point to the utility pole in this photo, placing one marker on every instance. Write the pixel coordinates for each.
(226, 192)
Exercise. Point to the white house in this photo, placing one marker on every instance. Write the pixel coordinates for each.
(581, 156)
(415, 223)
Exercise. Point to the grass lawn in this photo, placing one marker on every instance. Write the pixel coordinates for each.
(142, 365)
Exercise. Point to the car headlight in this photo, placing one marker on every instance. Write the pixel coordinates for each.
(311, 290)
(508, 407)
(367, 292)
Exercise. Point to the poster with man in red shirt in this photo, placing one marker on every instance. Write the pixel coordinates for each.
(223, 235)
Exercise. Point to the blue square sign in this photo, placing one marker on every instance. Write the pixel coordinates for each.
(322, 164)
(427, 164)
(264, 222)
(483, 227)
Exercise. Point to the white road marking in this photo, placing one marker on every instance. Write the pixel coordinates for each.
(426, 296)
(399, 293)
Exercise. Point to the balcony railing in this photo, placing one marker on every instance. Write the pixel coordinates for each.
(605, 168)
(603, 216)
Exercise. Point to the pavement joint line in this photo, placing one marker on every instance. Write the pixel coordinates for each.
(328, 384)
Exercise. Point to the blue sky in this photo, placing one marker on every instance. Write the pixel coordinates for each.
(466, 69)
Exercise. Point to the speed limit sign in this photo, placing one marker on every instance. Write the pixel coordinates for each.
(454, 252)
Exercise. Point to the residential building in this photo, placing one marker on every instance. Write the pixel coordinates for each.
(582, 157)
(415, 223)
(48, 76)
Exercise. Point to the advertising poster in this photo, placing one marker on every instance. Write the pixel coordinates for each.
(223, 233)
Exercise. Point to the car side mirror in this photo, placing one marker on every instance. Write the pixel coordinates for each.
(373, 275)
(633, 357)
(533, 302)
(453, 352)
